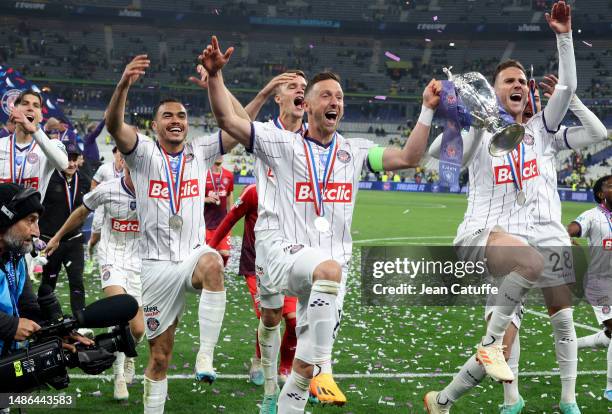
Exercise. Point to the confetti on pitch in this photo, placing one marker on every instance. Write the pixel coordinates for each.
(588, 44)
(381, 97)
(392, 56)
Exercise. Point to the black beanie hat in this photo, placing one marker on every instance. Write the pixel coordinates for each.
(16, 203)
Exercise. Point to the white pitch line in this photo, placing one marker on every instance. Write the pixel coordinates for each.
(580, 325)
(404, 238)
(378, 375)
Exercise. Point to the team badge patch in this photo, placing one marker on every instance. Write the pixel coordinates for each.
(32, 158)
(132, 205)
(605, 309)
(106, 275)
(152, 324)
(343, 156)
(528, 139)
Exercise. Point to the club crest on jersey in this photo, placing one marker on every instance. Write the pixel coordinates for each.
(106, 275)
(605, 309)
(503, 174)
(294, 248)
(607, 244)
(32, 158)
(343, 156)
(152, 324)
(334, 192)
(528, 139)
(132, 205)
(159, 189)
(8, 100)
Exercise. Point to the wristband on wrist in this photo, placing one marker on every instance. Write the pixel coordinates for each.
(426, 116)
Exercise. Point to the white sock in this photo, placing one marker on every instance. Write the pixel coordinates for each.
(326, 367)
(597, 340)
(511, 291)
(511, 392)
(154, 397)
(567, 352)
(294, 395)
(269, 345)
(322, 318)
(210, 315)
(118, 369)
(609, 386)
(469, 376)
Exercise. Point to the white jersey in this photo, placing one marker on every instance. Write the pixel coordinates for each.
(159, 241)
(30, 166)
(492, 195)
(107, 172)
(596, 226)
(120, 229)
(267, 217)
(284, 152)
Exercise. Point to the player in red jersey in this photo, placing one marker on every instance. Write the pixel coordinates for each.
(246, 206)
(219, 199)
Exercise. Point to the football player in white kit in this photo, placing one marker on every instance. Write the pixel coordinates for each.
(317, 179)
(118, 255)
(28, 157)
(499, 222)
(596, 225)
(168, 177)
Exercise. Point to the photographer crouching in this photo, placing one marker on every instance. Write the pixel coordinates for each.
(37, 342)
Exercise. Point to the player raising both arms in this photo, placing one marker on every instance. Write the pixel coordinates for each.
(596, 225)
(499, 223)
(30, 156)
(169, 178)
(118, 255)
(317, 179)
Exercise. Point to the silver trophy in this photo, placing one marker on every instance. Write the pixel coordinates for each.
(480, 99)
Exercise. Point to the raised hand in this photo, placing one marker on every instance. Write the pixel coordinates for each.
(431, 94)
(134, 70)
(202, 81)
(23, 121)
(548, 85)
(560, 17)
(277, 81)
(212, 59)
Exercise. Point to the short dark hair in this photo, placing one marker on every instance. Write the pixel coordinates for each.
(510, 63)
(28, 92)
(164, 101)
(319, 77)
(599, 186)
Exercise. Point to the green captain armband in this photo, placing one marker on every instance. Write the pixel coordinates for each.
(375, 158)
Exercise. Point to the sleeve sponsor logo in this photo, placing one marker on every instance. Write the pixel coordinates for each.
(334, 193)
(503, 175)
(125, 226)
(159, 189)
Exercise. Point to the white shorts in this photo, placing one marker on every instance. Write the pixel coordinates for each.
(472, 246)
(553, 242)
(129, 280)
(164, 284)
(602, 313)
(283, 268)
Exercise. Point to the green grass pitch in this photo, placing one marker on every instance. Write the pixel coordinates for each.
(416, 348)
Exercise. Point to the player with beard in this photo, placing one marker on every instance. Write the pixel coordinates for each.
(168, 177)
(596, 225)
(487, 229)
(29, 156)
(309, 254)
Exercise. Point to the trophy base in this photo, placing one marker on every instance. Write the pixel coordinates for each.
(505, 140)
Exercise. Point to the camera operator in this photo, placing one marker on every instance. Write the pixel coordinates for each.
(20, 313)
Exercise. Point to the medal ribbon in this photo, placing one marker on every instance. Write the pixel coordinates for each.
(174, 183)
(11, 274)
(71, 192)
(17, 177)
(517, 164)
(314, 177)
(607, 213)
(212, 179)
